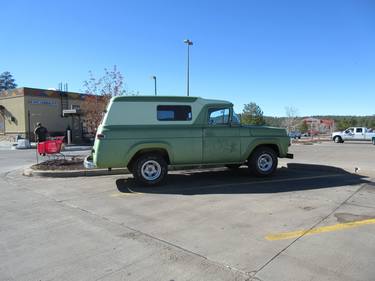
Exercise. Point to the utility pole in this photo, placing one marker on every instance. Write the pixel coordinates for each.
(188, 43)
(154, 77)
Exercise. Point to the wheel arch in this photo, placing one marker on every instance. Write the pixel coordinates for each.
(273, 144)
(339, 137)
(136, 152)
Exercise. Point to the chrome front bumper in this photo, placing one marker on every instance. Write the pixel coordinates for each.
(88, 162)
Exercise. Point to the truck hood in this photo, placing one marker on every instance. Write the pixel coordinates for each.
(267, 131)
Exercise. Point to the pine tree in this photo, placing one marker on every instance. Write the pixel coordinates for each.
(252, 114)
(303, 127)
(6, 81)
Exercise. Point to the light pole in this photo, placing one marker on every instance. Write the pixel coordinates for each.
(154, 77)
(188, 43)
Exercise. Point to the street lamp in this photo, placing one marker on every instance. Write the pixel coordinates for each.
(154, 77)
(188, 43)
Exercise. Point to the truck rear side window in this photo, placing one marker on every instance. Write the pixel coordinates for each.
(174, 113)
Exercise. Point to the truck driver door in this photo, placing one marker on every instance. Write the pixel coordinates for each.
(349, 134)
(221, 140)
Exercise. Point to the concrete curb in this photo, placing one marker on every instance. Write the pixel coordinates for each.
(118, 171)
(73, 173)
(29, 172)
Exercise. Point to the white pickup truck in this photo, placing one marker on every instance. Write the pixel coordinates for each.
(354, 134)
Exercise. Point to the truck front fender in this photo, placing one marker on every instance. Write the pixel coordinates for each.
(280, 144)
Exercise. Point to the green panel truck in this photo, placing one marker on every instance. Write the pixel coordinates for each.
(147, 134)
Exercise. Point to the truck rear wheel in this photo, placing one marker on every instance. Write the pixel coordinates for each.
(150, 169)
(263, 161)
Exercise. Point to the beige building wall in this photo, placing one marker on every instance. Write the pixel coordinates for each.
(13, 111)
(47, 111)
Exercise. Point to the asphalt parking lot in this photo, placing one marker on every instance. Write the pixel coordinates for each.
(314, 220)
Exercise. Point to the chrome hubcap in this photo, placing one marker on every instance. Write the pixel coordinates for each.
(151, 170)
(265, 162)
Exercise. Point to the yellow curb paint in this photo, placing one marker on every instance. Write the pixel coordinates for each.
(329, 228)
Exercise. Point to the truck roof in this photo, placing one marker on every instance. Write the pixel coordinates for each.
(182, 99)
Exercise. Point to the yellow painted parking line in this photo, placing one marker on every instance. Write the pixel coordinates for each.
(329, 228)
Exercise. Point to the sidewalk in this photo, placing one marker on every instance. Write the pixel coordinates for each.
(310, 140)
(7, 145)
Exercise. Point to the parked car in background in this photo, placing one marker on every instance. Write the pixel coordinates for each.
(354, 134)
(148, 134)
(295, 134)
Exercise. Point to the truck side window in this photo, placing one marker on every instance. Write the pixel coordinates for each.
(218, 116)
(236, 119)
(174, 113)
(359, 130)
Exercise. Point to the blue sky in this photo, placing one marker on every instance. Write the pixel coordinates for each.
(317, 56)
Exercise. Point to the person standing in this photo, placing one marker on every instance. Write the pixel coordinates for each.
(40, 132)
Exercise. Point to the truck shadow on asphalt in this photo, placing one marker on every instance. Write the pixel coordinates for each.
(295, 177)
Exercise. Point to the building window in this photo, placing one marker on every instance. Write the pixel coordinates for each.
(174, 113)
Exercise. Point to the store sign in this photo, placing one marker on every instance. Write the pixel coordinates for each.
(44, 102)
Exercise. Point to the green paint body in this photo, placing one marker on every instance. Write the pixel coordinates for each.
(130, 126)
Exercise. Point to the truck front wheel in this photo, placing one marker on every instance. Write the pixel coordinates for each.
(337, 139)
(150, 169)
(263, 161)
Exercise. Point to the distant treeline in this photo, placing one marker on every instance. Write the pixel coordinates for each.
(341, 122)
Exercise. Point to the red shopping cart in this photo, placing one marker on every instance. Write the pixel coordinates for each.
(51, 146)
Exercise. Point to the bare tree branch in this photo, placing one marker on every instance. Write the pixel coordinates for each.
(98, 93)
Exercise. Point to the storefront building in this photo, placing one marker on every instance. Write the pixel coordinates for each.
(22, 108)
